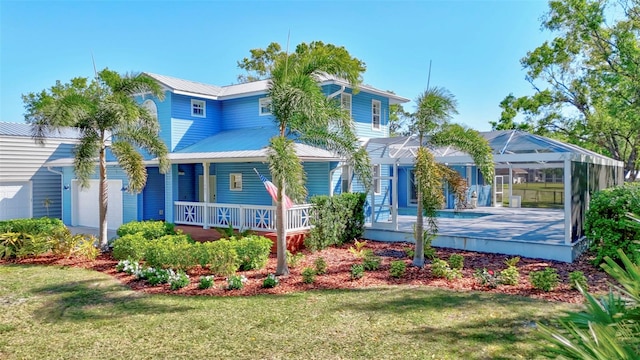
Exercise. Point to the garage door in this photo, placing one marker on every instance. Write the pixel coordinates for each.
(86, 210)
(15, 200)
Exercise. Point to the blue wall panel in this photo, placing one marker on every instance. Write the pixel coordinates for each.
(186, 183)
(253, 190)
(153, 196)
(243, 113)
(317, 178)
(187, 129)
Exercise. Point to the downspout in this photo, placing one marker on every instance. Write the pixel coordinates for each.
(61, 189)
(331, 96)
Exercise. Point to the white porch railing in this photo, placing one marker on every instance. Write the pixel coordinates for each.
(241, 217)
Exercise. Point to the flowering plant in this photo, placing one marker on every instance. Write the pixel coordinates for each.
(487, 278)
(270, 281)
(205, 282)
(236, 282)
(178, 280)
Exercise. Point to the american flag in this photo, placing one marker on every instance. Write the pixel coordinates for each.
(273, 191)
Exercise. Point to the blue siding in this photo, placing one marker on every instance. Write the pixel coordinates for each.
(170, 191)
(243, 113)
(153, 196)
(317, 178)
(187, 183)
(186, 129)
(253, 190)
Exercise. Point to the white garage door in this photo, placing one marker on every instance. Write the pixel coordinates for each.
(15, 200)
(86, 211)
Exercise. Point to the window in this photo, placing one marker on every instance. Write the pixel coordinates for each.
(235, 181)
(413, 193)
(264, 106)
(377, 189)
(198, 108)
(346, 179)
(375, 114)
(151, 107)
(345, 102)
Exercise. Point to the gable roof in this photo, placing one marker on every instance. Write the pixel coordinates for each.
(24, 130)
(193, 88)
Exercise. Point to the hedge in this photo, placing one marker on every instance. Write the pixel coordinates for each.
(336, 220)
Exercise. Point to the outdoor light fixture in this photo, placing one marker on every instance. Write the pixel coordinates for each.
(124, 188)
(66, 187)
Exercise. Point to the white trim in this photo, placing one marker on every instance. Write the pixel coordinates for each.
(195, 103)
(377, 175)
(373, 114)
(263, 103)
(233, 181)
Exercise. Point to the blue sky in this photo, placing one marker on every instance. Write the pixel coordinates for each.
(475, 46)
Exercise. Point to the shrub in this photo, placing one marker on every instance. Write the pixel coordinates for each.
(357, 271)
(253, 251)
(409, 251)
(34, 227)
(397, 268)
(130, 267)
(577, 278)
(86, 247)
(220, 256)
(156, 276)
(129, 246)
(456, 261)
(321, 266)
(605, 222)
(545, 280)
(206, 282)
(336, 220)
(34, 246)
(440, 268)
(171, 251)
(510, 276)
(371, 261)
(270, 281)
(150, 229)
(178, 280)
(358, 249)
(308, 275)
(486, 278)
(13, 243)
(236, 282)
(294, 259)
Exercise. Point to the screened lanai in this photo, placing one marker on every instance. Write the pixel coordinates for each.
(543, 182)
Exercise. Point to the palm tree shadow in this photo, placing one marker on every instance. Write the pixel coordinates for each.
(96, 299)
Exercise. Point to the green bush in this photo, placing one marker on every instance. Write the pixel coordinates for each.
(336, 220)
(12, 243)
(440, 268)
(397, 269)
(606, 223)
(456, 261)
(577, 278)
(34, 227)
(149, 229)
(206, 282)
(510, 276)
(236, 282)
(130, 246)
(219, 256)
(308, 275)
(357, 271)
(371, 261)
(270, 281)
(178, 280)
(321, 266)
(253, 251)
(171, 251)
(294, 259)
(409, 251)
(545, 280)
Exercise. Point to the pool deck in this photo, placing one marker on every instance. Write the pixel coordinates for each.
(534, 233)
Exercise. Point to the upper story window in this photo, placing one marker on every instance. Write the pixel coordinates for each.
(264, 106)
(377, 184)
(375, 114)
(345, 102)
(235, 181)
(198, 108)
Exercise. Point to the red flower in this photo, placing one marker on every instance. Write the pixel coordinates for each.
(491, 272)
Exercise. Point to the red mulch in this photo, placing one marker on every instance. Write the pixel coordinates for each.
(339, 261)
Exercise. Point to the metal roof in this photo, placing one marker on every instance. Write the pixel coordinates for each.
(187, 87)
(24, 130)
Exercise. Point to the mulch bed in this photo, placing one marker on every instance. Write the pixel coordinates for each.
(339, 261)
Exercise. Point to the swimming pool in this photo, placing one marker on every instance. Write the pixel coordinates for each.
(446, 214)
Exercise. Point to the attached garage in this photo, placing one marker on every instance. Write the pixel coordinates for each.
(15, 200)
(86, 211)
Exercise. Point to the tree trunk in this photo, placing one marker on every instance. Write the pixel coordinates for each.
(418, 255)
(281, 243)
(103, 200)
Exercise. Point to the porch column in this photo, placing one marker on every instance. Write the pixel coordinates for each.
(568, 201)
(205, 196)
(170, 189)
(394, 195)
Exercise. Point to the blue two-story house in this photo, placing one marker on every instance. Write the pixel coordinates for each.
(217, 138)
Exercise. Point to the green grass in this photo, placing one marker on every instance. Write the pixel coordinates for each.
(58, 312)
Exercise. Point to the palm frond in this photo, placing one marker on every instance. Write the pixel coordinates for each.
(85, 154)
(132, 163)
(286, 168)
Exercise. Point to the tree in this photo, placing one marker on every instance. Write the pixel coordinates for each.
(302, 111)
(107, 115)
(586, 80)
(435, 107)
(398, 118)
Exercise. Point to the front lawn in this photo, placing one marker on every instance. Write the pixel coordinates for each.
(63, 312)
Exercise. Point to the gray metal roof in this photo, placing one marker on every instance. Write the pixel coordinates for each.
(194, 88)
(22, 129)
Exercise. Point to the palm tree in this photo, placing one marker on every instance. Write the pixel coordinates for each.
(435, 107)
(303, 112)
(107, 115)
